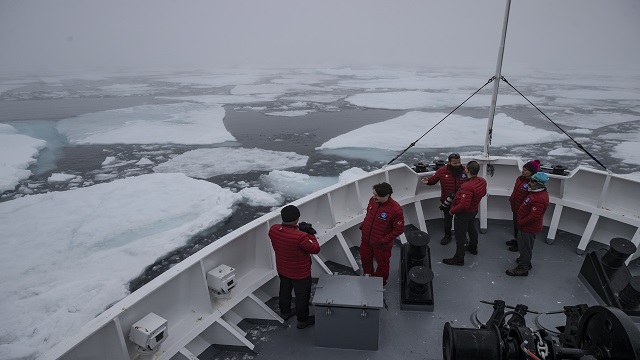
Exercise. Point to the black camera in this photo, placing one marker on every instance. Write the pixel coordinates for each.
(447, 202)
(306, 227)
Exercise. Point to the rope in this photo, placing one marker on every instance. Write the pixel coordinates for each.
(433, 127)
(527, 351)
(545, 115)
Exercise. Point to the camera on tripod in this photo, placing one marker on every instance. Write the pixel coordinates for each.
(447, 202)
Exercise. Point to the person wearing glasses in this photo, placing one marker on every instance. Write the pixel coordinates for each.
(382, 224)
(465, 208)
(519, 193)
(451, 178)
(530, 216)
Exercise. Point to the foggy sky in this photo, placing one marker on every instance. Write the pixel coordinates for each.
(43, 35)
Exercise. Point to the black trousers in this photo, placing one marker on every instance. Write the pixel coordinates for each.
(448, 221)
(465, 223)
(302, 289)
(515, 225)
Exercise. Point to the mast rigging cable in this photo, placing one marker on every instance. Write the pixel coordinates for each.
(434, 126)
(561, 129)
(491, 130)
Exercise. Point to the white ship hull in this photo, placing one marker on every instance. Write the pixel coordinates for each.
(595, 205)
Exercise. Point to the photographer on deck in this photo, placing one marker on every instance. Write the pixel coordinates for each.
(465, 208)
(293, 245)
(451, 178)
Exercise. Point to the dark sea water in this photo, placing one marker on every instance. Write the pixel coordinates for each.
(34, 110)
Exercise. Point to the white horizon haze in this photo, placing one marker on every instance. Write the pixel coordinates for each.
(40, 36)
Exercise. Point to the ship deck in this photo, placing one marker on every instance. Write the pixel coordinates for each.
(552, 284)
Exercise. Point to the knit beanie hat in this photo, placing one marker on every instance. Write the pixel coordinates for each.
(289, 213)
(533, 166)
(540, 178)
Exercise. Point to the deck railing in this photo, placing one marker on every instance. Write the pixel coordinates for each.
(595, 205)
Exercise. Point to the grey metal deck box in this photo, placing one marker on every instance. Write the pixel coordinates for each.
(347, 310)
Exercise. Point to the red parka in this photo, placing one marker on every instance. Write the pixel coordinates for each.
(519, 193)
(531, 211)
(293, 248)
(382, 223)
(468, 197)
(448, 182)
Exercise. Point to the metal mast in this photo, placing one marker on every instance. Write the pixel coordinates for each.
(496, 84)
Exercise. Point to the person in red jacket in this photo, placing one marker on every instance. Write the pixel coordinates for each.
(519, 193)
(530, 217)
(293, 262)
(451, 178)
(383, 222)
(465, 208)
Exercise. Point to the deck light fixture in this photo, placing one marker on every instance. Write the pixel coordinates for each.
(148, 333)
(222, 279)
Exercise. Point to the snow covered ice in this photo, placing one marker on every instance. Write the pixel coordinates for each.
(206, 163)
(183, 123)
(68, 255)
(17, 153)
(507, 131)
